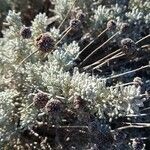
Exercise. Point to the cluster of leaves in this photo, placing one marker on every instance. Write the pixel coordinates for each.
(48, 101)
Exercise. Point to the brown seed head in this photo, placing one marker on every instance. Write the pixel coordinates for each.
(128, 46)
(78, 102)
(25, 32)
(40, 100)
(45, 43)
(124, 28)
(75, 24)
(53, 107)
(137, 81)
(111, 25)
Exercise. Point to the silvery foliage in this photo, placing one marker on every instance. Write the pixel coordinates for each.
(103, 14)
(139, 11)
(6, 109)
(137, 14)
(126, 100)
(13, 47)
(138, 17)
(39, 24)
(62, 6)
(54, 76)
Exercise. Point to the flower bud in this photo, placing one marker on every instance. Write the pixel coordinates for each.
(124, 28)
(128, 46)
(40, 100)
(25, 32)
(45, 43)
(137, 81)
(111, 25)
(53, 107)
(75, 24)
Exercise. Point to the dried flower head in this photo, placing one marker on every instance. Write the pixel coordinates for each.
(53, 107)
(137, 81)
(79, 103)
(128, 46)
(40, 100)
(25, 32)
(111, 25)
(80, 16)
(138, 144)
(45, 43)
(124, 28)
(75, 24)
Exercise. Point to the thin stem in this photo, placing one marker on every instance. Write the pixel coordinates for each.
(131, 61)
(138, 124)
(145, 109)
(109, 55)
(143, 39)
(130, 126)
(142, 138)
(139, 115)
(91, 43)
(145, 46)
(70, 127)
(83, 62)
(27, 107)
(125, 84)
(67, 14)
(112, 58)
(63, 36)
(101, 60)
(125, 73)
(65, 31)
(25, 60)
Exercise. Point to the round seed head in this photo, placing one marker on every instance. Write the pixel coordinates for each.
(53, 107)
(40, 100)
(137, 81)
(111, 25)
(78, 102)
(128, 46)
(75, 24)
(80, 16)
(138, 144)
(45, 43)
(25, 32)
(124, 28)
